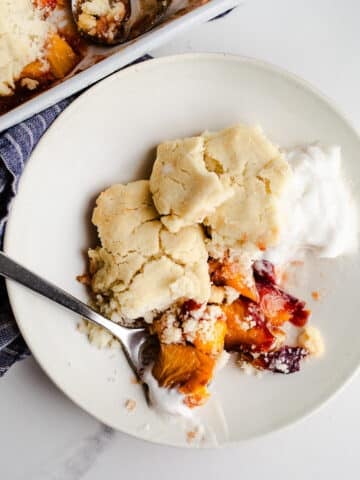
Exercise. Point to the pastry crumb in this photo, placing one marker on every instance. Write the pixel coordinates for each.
(297, 263)
(311, 339)
(283, 277)
(249, 369)
(97, 335)
(191, 435)
(217, 295)
(84, 279)
(130, 405)
(315, 295)
(29, 83)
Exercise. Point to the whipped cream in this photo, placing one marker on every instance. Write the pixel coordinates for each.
(165, 400)
(319, 213)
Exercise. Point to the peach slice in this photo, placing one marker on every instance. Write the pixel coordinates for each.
(227, 273)
(61, 57)
(187, 368)
(35, 70)
(175, 364)
(215, 345)
(246, 327)
(278, 306)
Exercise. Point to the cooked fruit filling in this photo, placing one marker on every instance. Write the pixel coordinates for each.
(192, 336)
(44, 51)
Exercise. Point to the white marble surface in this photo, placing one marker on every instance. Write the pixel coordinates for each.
(45, 436)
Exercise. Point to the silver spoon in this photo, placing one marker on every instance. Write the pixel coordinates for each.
(132, 340)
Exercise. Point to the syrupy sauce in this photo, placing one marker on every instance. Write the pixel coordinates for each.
(265, 279)
(188, 306)
(20, 96)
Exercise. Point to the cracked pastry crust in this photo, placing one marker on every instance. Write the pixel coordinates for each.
(141, 267)
(231, 180)
(184, 190)
(126, 219)
(257, 172)
(153, 252)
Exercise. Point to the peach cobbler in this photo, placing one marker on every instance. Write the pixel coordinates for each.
(197, 252)
(39, 45)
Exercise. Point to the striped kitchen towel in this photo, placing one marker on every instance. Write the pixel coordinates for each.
(16, 145)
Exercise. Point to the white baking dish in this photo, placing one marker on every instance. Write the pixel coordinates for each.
(125, 55)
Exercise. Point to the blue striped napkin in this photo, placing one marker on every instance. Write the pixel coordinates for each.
(16, 145)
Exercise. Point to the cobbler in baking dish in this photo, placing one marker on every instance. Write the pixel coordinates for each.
(198, 253)
(39, 46)
(45, 42)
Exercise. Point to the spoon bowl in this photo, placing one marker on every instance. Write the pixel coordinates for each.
(124, 20)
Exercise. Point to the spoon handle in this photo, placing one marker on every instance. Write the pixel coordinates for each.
(131, 339)
(12, 270)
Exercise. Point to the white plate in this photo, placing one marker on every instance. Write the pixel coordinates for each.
(108, 135)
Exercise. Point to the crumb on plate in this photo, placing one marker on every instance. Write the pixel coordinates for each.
(130, 405)
(315, 295)
(311, 339)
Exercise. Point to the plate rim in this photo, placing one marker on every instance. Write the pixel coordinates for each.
(93, 90)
